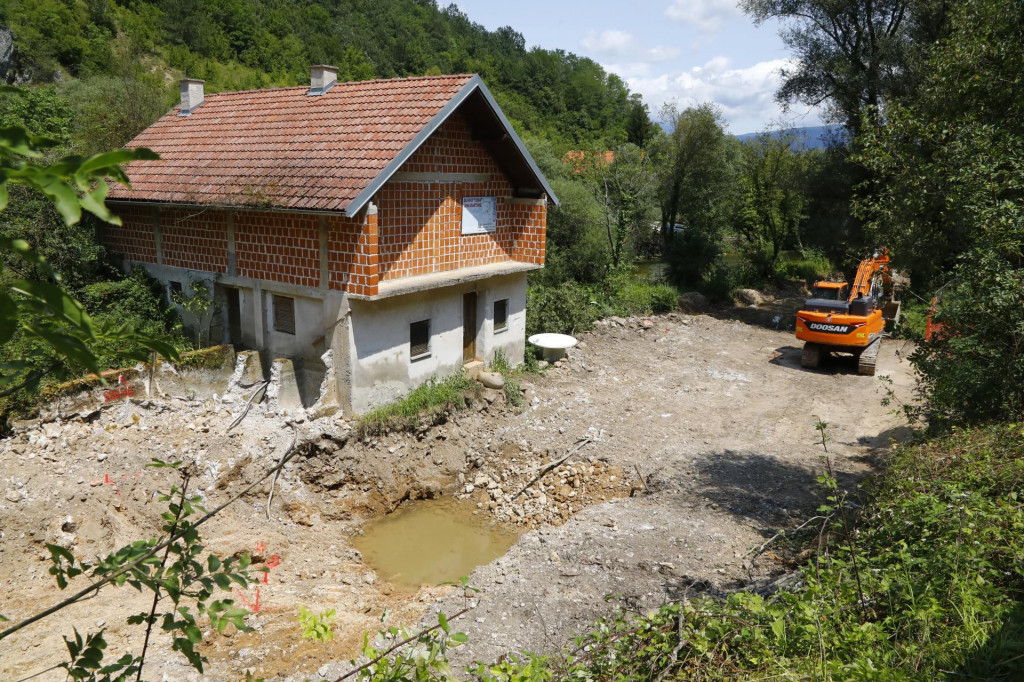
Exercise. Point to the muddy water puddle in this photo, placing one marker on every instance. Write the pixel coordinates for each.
(431, 541)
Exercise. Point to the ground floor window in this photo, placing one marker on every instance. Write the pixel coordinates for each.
(284, 314)
(501, 315)
(419, 339)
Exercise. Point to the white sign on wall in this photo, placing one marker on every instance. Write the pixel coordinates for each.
(479, 215)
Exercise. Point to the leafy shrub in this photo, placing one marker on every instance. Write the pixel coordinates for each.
(811, 266)
(137, 300)
(721, 283)
(629, 295)
(567, 308)
(974, 370)
(913, 319)
(759, 262)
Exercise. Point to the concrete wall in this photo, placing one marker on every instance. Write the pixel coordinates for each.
(316, 314)
(381, 367)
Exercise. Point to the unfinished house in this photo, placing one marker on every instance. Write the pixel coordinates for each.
(378, 233)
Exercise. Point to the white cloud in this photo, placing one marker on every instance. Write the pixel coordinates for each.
(612, 43)
(704, 15)
(746, 95)
(660, 53)
(622, 45)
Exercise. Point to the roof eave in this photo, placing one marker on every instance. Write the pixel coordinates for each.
(472, 85)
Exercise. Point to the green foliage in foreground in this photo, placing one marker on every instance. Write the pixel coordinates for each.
(318, 627)
(426, 404)
(927, 585)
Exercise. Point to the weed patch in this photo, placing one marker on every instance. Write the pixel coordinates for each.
(501, 365)
(425, 405)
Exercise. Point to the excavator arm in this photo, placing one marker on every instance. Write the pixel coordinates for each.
(869, 267)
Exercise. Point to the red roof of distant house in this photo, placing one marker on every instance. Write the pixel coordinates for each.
(284, 148)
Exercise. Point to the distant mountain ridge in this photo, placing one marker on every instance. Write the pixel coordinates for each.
(807, 137)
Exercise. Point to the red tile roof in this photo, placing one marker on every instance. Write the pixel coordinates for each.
(284, 148)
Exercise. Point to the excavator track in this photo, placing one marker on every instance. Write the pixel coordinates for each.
(866, 360)
(811, 355)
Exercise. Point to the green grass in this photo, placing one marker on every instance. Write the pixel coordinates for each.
(426, 404)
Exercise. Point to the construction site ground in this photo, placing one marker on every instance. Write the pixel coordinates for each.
(694, 439)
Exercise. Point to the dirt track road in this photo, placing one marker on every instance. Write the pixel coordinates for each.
(716, 416)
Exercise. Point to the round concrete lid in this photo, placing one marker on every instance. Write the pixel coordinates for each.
(553, 340)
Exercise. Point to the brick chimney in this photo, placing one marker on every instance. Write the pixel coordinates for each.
(321, 78)
(191, 95)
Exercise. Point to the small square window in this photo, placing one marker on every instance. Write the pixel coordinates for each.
(175, 288)
(419, 339)
(501, 315)
(284, 314)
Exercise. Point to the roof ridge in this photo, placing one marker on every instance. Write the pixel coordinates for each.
(452, 76)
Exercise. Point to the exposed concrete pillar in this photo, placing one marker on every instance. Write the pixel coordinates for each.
(158, 236)
(258, 315)
(232, 258)
(283, 392)
(369, 255)
(343, 357)
(248, 370)
(325, 273)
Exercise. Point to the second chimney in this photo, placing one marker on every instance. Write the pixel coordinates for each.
(321, 78)
(191, 95)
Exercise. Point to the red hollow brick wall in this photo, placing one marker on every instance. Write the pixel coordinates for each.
(194, 238)
(279, 247)
(421, 222)
(352, 254)
(134, 239)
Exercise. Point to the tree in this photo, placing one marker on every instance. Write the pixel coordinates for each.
(198, 303)
(851, 55)
(948, 197)
(772, 201)
(41, 308)
(640, 130)
(625, 189)
(693, 186)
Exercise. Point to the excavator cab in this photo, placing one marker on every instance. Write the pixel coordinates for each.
(831, 291)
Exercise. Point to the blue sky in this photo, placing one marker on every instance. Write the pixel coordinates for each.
(689, 51)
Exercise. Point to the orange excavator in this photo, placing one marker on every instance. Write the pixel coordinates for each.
(844, 319)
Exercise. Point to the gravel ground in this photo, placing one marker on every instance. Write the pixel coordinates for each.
(700, 444)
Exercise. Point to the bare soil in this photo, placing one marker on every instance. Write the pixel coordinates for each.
(695, 442)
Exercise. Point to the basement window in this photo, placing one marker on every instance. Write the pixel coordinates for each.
(501, 315)
(419, 340)
(175, 288)
(284, 314)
